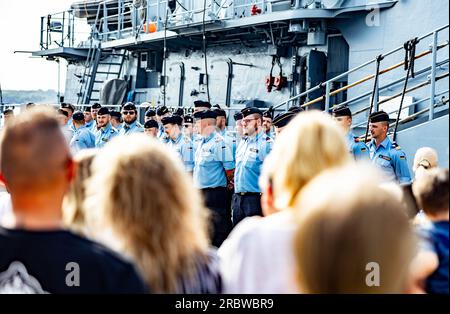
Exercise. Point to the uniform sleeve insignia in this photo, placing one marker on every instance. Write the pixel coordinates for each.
(356, 139)
(385, 157)
(363, 149)
(254, 150)
(402, 157)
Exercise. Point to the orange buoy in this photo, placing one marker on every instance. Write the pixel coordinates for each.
(149, 28)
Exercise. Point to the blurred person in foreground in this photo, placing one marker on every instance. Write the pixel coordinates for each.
(258, 255)
(155, 215)
(37, 254)
(348, 241)
(430, 267)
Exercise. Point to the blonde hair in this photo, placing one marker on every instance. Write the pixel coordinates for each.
(74, 214)
(346, 222)
(425, 158)
(311, 143)
(152, 207)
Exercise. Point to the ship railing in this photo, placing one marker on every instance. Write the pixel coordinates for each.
(434, 73)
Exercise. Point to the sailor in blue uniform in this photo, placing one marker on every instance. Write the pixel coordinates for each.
(151, 128)
(150, 114)
(250, 155)
(343, 117)
(105, 132)
(201, 105)
(88, 117)
(70, 109)
(180, 144)
(130, 123)
(268, 122)
(388, 156)
(116, 120)
(281, 120)
(94, 110)
(162, 112)
(82, 136)
(213, 173)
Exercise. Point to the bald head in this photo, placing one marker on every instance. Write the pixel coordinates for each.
(33, 152)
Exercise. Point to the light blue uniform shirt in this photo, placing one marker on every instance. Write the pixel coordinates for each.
(90, 125)
(104, 135)
(82, 139)
(212, 158)
(358, 149)
(162, 136)
(250, 155)
(184, 148)
(119, 127)
(391, 159)
(128, 129)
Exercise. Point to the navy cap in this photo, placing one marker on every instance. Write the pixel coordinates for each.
(160, 111)
(220, 112)
(63, 112)
(102, 111)
(179, 112)
(129, 106)
(379, 116)
(68, 106)
(295, 109)
(78, 116)
(172, 120)
(96, 106)
(269, 113)
(341, 111)
(188, 119)
(205, 114)
(151, 124)
(283, 119)
(201, 103)
(8, 111)
(251, 110)
(150, 113)
(238, 116)
(87, 109)
(115, 114)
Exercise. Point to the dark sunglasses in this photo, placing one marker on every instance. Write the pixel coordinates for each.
(125, 113)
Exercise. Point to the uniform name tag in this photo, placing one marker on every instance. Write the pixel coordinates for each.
(254, 150)
(385, 157)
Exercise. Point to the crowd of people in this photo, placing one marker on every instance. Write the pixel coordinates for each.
(95, 202)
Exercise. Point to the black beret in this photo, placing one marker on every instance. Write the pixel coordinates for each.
(201, 103)
(188, 119)
(160, 111)
(220, 112)
(68, 106)
(115, 114)
(63, 112)
(283, 119)
(129, 106)
(379, 116)
(205, 114)
(269, 113)
(341, 111)
(251, 110)
(96, 106)
(151, 124)
(150, 113)
(238, 116)
(179, 112)
(78, 116)
(102, 111)
(295, 109)
(172, 120)
(87, 109)
(8, 111)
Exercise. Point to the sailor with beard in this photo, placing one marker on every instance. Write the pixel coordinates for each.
(130, 123)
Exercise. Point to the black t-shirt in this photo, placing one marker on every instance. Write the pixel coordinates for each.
(61, 262)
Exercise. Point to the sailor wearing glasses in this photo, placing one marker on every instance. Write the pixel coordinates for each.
(250, 155)
(130, 123)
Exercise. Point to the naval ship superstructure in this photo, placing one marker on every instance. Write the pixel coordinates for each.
(378, 54)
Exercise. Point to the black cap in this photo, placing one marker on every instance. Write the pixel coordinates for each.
(115, 114)
(8, 111)
(150, 113)
(151, 124)
(251, 110)
(68, 106)
(129, 106)
(172, 120)
(179, 112)
(283, 119)
(220, 112)
(63, 112)
(295, 109)
(160, 111)
(87, 109)
(205, 114)
(188, 119)
(96, 106)
(201, 103)
(103, 111)
(269, 113)
(78, 116)
(379, 116)
(341, 111)
(238, 116)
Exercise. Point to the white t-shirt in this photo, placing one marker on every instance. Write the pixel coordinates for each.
(5, 204)
(258, 256)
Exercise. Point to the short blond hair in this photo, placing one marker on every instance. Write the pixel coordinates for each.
(346, 222)
(149, 202)
(311, 143)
